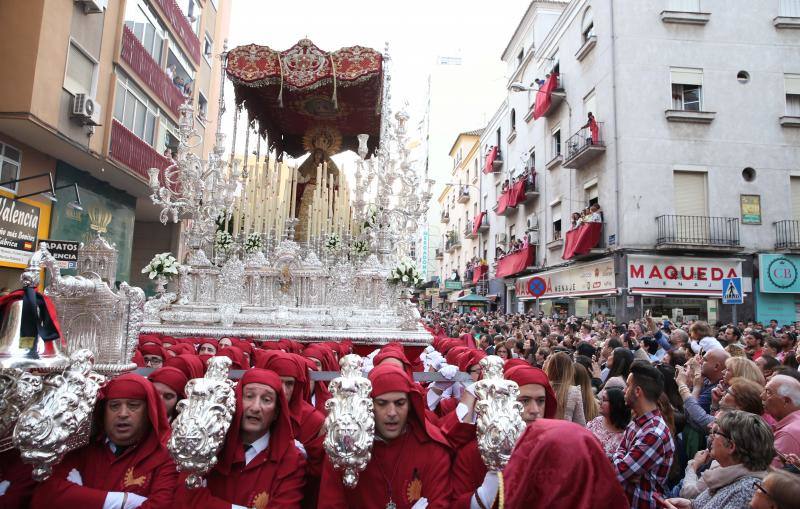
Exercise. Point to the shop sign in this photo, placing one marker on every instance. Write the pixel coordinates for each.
(681, 275)
(594, 278)
(430, 292)
(64, 251)
(19, 229)
(450, 284)
(779, 273)
(750, 205)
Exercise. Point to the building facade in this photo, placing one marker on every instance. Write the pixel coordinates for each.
(90, 98)
(693, 156)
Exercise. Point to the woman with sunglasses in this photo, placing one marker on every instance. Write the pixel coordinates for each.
(779, 490)
(741, 445)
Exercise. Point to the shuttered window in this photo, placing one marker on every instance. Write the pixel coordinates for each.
(590, 105)
(792, 85)
(556, 214)
(684, 5)
(795, 198)
(690, 193)
(790, 8)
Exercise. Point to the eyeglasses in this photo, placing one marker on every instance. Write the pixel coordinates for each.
(760, 487)
(716, 431)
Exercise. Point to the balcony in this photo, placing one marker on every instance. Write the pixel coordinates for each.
(181, 26)
(463, 194)
(445, 217)
(515, 262)
(584, 147)
(133, 152)
(453, 241)
(469, 230)
(583, 242)
(520, 192)
(482, 223)
(494, 161)
(787, 235)
(549, 97)
(790, 120)
(698, 232)
(439, 253)
(147, 69)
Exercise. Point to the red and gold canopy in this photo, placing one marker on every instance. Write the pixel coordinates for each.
(304, 91)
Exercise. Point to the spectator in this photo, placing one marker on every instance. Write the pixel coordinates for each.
(584, 381)
(646, 451)
(781, 398)
(561, 372)
(779, 490)
(743, 394)
(171, 72)
(613, 419)
(702, 338)
(741, 446)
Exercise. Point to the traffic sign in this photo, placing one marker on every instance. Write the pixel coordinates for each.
(732, 290)
(537, 286)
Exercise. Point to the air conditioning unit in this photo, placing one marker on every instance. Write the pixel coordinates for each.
(93, 6)
(86, 110)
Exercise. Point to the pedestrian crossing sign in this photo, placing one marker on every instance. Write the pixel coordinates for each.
(732, 290)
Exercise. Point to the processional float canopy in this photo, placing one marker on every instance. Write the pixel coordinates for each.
(305, 98)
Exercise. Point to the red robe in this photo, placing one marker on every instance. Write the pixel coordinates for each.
(422, 471)
(13, 470)
(151, 475)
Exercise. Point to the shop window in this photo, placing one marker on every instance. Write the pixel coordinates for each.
(687, 89)
(80, 77)
(10, 164)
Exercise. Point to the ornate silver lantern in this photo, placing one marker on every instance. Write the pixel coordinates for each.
(499, 414)
(350, 422)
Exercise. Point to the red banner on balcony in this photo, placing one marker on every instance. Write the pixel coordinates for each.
(516, 262)
(502, 203)
(543, 96)
(477, 223)
(182, 27)
(582, 239)
(479, 272)
(489, 166)
(134, 54)
(516, 194)
(134, 152)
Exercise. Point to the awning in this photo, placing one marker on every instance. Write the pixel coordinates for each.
(473, 297)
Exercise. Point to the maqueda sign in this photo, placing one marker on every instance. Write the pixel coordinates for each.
(680, 275)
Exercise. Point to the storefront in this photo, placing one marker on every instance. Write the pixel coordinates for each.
(778, 289)
(22, 224)
(582, 290)
(683, 288)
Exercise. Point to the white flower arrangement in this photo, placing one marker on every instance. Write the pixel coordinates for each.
(253, 243)
(372, 216)
(223, 241)
(162, 264)
(360, 248)
(406, 273)
(333, 242)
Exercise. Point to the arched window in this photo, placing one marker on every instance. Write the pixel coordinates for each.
(513, 120)
(587, 26)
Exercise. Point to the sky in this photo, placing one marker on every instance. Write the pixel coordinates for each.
(417, 31)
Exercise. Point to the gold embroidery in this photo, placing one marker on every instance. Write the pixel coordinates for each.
(414, 490)
(260, 500)
(130, 480)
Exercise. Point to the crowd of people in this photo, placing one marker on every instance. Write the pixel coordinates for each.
(529, 176)
(591, 214)
(645, 414)
(515, 246)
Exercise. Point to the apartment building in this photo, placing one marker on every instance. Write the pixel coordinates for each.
(693, 156)
(90, 98)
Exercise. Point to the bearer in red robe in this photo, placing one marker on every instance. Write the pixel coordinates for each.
(259, 466)
(127, 466)
(410, 457)
(170, 383)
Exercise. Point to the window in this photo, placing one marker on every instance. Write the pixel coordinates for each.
(684, 5)
(208, 48)
(790, 8)
(591, 195)
(587, 26)
(134, 110)
(144, 24)
(690, 193)
(513, 120)
(555, 212)
(81, 71)
(795, 190)
(530, 165)
(512, 232)
(557, 142)
(486, 200)
(792, 84)
(590, 105)
(687, 89)
(191, 9)
(520, 57)
(202, 107)
(10, 164)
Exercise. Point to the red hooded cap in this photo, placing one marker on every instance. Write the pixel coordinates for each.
(235, 355)
(191, 365)
(526, 375)
(390, 378)
(452, 355)
(263, 356)
(556, 453)
(133, 386)
(138, 359)
(469, 358)
(280, 438)
(173, 378)
(324, 355)
(149, 338)
(154, 350)
(393, 351)
(512, 363)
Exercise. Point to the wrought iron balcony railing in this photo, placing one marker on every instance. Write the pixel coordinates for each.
(698, 231)
(787, 234)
